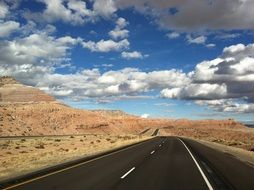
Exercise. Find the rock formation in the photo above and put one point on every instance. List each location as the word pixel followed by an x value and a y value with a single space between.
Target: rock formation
pixel 14 92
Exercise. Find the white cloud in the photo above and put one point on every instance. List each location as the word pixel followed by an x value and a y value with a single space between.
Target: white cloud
pixel 6 28
pixel 75 12
pixel 145 115
pixel 210 45
pixel 4 9
pixel 228 105
pixel 133 55
pixel 107 65
pixel 30 58
pixel 104 8
pixel 197 40
pixel 121 23
pixel 119 32
pixel 230 76
pixel 106 45
pixel 173 35
pixel 196 91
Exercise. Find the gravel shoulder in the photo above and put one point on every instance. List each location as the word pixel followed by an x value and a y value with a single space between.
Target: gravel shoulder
pixel 25 155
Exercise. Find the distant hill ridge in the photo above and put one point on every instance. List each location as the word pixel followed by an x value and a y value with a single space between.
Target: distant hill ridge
pixel 11 91
pixel 5 80
pixel 26 110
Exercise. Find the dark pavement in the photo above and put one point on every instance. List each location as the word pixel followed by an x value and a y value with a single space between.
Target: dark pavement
pixel 158 164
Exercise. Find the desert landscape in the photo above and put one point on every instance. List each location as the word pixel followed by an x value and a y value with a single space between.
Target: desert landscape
pixel 38 131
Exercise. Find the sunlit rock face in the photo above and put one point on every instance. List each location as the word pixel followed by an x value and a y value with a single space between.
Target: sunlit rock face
pixel 12 91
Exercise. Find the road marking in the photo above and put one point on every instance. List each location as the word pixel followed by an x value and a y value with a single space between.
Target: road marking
pixel 152 152
pixel 70 167
pixel 199 168
pixel 127 173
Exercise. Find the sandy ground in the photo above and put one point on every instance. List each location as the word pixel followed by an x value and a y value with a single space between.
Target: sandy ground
pixel 24 155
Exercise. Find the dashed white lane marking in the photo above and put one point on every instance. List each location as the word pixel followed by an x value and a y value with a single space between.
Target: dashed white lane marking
pixel 152 152
pixel 74 166
pixel 127 173
pixel 199 168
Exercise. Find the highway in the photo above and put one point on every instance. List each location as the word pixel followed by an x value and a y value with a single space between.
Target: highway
pixel 158 164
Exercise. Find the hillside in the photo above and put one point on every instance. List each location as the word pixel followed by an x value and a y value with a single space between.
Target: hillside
pixel 28 111
pixel 12 91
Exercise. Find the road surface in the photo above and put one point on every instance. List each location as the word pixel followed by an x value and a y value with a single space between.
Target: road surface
pixel 157 164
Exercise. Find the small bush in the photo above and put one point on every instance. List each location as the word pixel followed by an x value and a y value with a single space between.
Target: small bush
pixel 40 146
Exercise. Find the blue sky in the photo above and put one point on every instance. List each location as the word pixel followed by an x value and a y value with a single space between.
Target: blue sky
pixel 172 59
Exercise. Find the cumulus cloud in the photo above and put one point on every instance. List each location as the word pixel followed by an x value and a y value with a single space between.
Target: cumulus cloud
pixel 104 7
pixel 73 11
pixel 108 85
pixel 196 91
pixel 214 82
pixel 6 28
pixel 119 32
pixel 196 15
pixel 228 105
pixel 28 58
pixel 106 45
pixel 133 55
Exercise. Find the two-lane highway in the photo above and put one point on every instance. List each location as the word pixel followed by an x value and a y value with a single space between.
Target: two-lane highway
pixel 160 163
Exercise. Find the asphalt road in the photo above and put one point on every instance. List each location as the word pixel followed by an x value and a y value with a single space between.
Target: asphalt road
pixel 158 164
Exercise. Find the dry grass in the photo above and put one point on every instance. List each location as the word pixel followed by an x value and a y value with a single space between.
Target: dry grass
pixel 240 138
pixel 20 156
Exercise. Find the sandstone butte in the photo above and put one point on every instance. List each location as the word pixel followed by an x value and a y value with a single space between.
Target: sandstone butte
pixel 26 110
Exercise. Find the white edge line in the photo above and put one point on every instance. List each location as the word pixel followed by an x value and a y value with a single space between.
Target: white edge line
pixel 199 168
pixel 152 152
pixel 127 173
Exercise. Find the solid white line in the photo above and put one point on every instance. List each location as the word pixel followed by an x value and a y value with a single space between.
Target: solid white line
pixel 199 168
pixel 152 152
pixel 127 173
